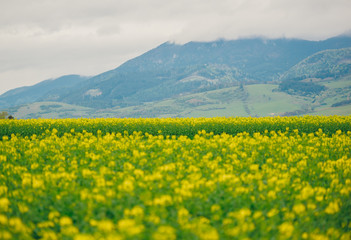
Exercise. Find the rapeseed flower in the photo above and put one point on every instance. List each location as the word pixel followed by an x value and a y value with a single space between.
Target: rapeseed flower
pixel 332 208
pixel 130 227
pixel 164 233
pixel 64 221
pixel 4 204
pixel 299 208
pixel 286 230
pixel 124 179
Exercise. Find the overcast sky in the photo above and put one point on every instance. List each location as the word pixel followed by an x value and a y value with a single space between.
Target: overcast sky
pixel 42 39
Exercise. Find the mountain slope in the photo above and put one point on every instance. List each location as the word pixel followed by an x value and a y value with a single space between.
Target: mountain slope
pixel 303 78
pixel 163 71
pixel 251 100
pixel 48 89
pixel 172 70
pixel 328 63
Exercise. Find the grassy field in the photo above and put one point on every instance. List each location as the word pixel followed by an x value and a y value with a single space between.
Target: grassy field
pixel 50 110
pixel 329 111
pixel 341 83
pixel 255 100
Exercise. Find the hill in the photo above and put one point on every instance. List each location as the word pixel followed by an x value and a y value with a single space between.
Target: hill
pixel 332 63
pixel 250 77
pixel 48 90
pixel 250 100
pixel 171 69
pixel 304 77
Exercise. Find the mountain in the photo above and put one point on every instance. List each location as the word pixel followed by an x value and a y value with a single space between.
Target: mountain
pixel 171 69
pixel 48 89
pixel 328 63
pixel 304 77
pixel 170 72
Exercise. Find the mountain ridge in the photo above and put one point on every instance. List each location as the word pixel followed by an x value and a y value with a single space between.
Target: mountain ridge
pixel 172 70
pixel 29 94
pixel 259 60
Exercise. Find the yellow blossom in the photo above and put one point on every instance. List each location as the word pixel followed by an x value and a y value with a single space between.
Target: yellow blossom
pixel 286 229
pixel 215 208
pixel 164 233
pixel 273 212
pixel 4 204
pixel 105 225
pixel 332 208
pixel 65 221
pixel 83 237
pixel 306 192
pixel 299 208
pixel 130 227
pixel 54 214
pixel 3 220
pixel 5 235
pixel 153 219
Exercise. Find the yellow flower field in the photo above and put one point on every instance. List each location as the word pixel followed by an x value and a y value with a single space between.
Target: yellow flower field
pixel 177 126
pixel 269 178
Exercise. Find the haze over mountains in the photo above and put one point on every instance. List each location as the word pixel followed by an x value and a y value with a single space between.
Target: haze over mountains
pixel 245 77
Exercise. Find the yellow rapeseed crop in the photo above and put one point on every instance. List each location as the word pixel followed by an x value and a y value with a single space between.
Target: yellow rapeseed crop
pixel 177 126
pixel 235 178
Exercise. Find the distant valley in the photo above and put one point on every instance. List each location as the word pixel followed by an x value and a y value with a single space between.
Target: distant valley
pixel 245 77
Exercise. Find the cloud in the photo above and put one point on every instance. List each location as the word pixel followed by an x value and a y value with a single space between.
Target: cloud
pixel 47 38
pixel 312 19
